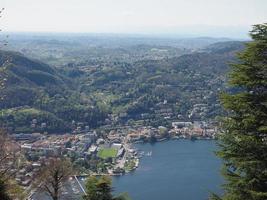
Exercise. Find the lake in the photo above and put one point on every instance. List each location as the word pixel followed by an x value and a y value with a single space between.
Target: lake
pixel 176 170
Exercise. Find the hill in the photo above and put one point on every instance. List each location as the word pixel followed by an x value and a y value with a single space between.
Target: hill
pixel 38 97
pixel 155 90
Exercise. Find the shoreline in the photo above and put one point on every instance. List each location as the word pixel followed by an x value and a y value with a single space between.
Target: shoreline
pixel 142 154
pixel 173 138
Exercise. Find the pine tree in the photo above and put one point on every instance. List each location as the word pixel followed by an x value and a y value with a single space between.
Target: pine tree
pixel 243 144
pixel 91 188
pixel 98 188
pixel 3 191
pixel 104 188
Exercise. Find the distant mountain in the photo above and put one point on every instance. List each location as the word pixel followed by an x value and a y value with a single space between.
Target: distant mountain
pixel 224 47
pixel 110 40
pixel 213 58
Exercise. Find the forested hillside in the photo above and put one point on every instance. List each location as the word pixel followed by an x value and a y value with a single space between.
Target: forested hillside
pixel 38 97
pixel 35 91
pixel 155 90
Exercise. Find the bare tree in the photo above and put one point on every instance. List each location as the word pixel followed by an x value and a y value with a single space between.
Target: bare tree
pixel 7 162
pixel 53 175
pixel 9 189
pixel 3 61
pixel 3 168
pixel 8 155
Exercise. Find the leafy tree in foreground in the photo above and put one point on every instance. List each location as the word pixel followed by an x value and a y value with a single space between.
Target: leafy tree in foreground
pixel 243 145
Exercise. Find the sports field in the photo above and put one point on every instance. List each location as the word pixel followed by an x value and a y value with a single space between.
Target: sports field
pixel 107 153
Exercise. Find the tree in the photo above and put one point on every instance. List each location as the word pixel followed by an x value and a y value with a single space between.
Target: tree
pixel 91 188
pixel 3 190
pixel 3 68
pixel 104 188
pixel 53 175
pixel 7 158
pixel 243 143
pixel 123 196
pixel 9 189
pixel 5 154
pixel 98 188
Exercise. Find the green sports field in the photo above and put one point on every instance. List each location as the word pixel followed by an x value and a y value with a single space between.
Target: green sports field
pixel 107 153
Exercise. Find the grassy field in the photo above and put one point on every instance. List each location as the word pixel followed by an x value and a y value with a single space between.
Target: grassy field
pixel 107 153
pixel 130 165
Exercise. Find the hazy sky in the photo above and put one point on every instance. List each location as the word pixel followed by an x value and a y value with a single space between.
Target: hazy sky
pixel 225 17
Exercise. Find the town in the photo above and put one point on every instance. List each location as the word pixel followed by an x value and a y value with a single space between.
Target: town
pixel 99 153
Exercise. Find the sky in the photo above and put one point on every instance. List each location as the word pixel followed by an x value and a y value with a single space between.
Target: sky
pixel 219 18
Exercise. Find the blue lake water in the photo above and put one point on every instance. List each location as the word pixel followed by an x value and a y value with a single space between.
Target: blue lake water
pixel 177 170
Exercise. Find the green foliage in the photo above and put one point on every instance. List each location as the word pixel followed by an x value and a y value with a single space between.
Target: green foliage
pixel 243 145
pixel 3 191
pixel 123 196
pixel 133 88
pixel 34 90
pixel 21 118
pixel 98 188
pixel 41 78
pixel 141 87
pixel 214 197
pixel 129 165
